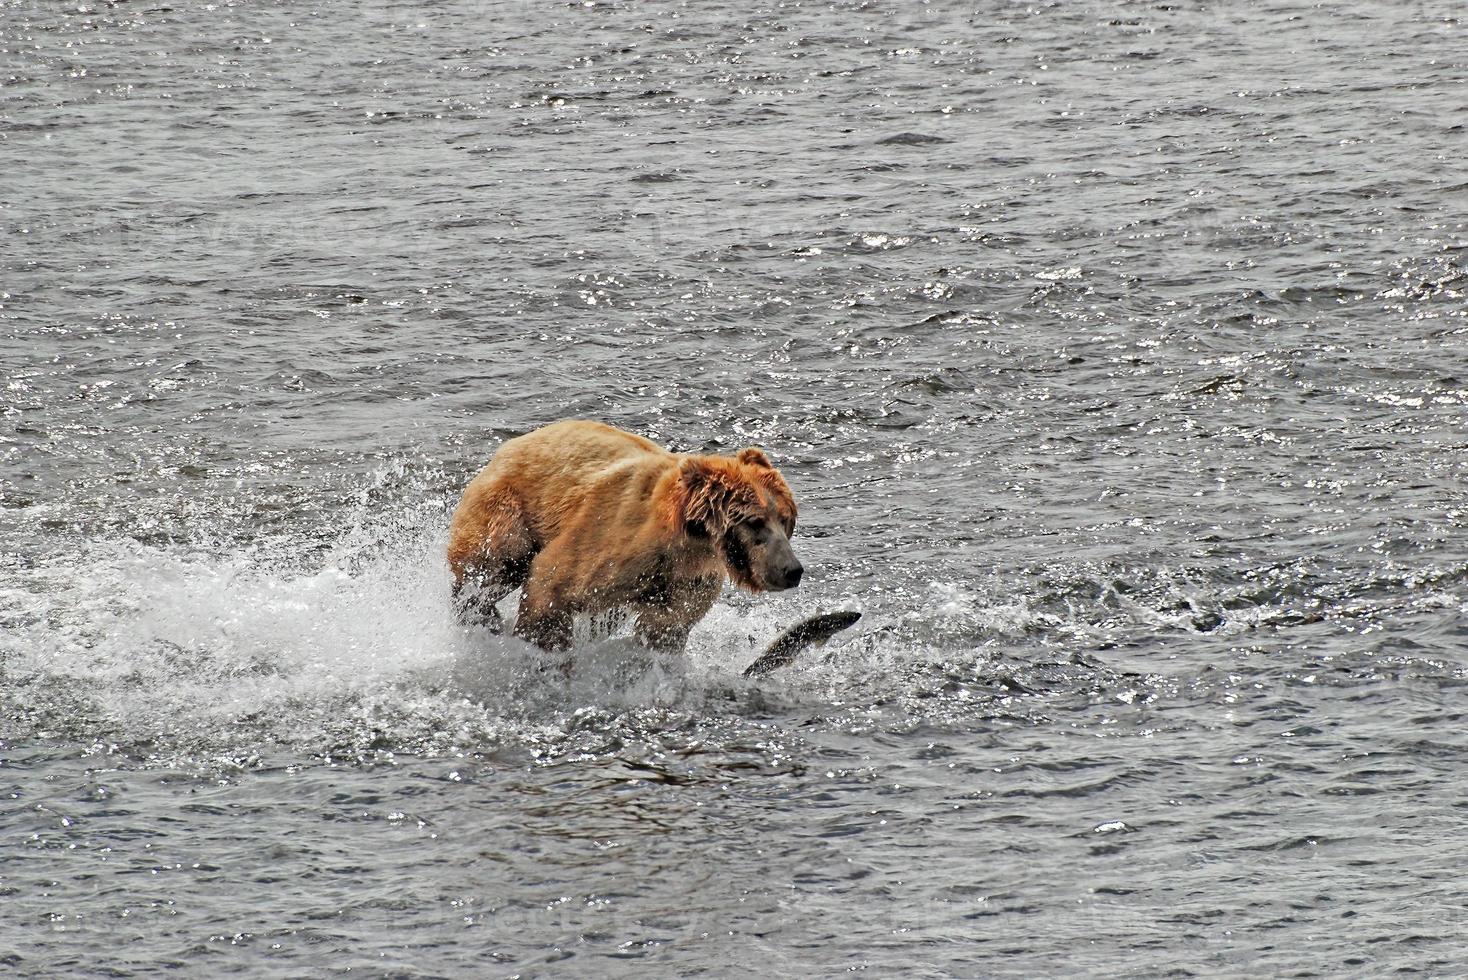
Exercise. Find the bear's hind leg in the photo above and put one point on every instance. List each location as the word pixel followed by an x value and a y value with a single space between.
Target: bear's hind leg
pixel 475 599
pixel 490 562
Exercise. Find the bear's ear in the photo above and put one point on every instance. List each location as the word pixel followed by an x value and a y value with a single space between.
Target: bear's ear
pixel 699 492
pixel 754 457
pixel 694 474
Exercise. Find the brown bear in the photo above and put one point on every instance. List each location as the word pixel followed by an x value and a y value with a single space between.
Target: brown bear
pixel 588 518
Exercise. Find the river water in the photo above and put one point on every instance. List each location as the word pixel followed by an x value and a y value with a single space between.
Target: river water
pixel 1117 353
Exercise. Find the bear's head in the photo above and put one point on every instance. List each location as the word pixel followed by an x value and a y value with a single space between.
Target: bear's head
pixel 743 505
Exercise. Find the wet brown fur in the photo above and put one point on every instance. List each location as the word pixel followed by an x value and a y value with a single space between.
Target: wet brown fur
pixel 586 518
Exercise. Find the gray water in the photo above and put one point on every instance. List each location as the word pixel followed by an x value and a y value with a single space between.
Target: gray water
pixel 1117 353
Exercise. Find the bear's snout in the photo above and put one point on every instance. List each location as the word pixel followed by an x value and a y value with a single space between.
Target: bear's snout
pixel 782 570
pixel 791 577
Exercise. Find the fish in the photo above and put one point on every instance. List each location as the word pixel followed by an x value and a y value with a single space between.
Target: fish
pixel 810 632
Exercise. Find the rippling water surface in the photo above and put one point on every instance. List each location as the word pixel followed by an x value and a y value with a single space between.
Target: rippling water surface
pixel 1117 353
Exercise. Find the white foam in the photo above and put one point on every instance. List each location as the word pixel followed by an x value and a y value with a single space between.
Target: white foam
pixel 158 637
pixel 231 646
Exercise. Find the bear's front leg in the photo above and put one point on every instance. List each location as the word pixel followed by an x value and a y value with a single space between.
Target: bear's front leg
pixel 666 625
pixel 657 629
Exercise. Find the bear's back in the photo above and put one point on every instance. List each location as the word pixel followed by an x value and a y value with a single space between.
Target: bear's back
pixel 554 469
pixel 577 449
